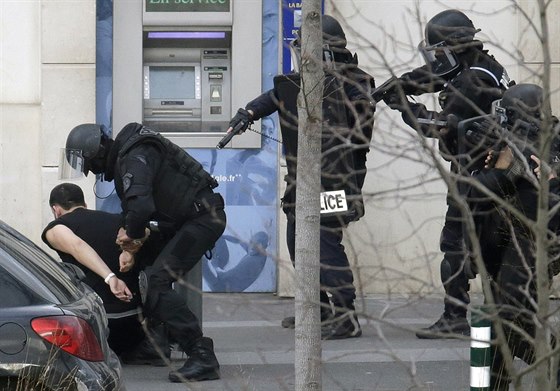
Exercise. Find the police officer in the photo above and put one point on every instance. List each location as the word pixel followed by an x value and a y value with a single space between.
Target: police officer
pixel 508 241
pixel 350 110
pixel 157 180
pixel 468 80
pixel 75 236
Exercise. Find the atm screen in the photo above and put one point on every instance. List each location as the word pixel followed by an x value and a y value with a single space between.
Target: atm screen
pixel 172 82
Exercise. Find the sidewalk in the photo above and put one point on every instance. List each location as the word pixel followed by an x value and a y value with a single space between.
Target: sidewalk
pixel 257 354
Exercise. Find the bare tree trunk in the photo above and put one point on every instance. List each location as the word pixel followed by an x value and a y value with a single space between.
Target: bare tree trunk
pixel 546 372
pixel 307 310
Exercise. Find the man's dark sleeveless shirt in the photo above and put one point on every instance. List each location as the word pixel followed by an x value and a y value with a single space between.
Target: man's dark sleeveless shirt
pixel 99 230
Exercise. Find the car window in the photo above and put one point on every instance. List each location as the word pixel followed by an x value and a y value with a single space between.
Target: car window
pixel 14 292
pixel 33 267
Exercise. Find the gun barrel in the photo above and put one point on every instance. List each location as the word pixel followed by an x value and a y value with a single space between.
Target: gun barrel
pixel 225 140
pixel 237 129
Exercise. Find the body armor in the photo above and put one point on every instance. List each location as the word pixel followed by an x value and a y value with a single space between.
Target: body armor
pixel 178 181
pixel 341 198
pixel 493 78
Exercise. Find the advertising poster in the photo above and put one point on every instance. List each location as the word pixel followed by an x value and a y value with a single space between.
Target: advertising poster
pixel 243 258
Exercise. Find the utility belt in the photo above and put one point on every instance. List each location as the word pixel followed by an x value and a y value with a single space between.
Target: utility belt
pixel 206 201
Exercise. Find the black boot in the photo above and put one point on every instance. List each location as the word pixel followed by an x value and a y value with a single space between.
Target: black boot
pixel 289 322
pixel 153 350
pixel 202 363
pixel 447 326
pixel 344 325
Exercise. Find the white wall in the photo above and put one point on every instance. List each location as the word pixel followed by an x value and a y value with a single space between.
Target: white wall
pixel 47 86
pixel 20 110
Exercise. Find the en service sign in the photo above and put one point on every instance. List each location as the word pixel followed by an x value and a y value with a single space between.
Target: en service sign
pixel 187 5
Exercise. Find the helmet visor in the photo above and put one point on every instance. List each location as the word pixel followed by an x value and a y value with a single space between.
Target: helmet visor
pixel 71 164
pixel 439 58
pixel 500 112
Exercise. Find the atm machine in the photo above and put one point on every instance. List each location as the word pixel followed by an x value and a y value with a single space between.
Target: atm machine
pixel 187 81
pixel 183 68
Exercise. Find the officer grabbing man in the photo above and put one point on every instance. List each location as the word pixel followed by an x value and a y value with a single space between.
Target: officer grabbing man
pixel 348 116
pixel 468 80
pixel 157 180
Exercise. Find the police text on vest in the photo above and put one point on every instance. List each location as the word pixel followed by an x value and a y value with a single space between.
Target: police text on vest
pixel 333 201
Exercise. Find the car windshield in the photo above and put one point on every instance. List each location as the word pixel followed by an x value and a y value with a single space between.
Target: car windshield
pixel 32 267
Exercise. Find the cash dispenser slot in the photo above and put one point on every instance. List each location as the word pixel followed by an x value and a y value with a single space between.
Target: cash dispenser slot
pixel 186 113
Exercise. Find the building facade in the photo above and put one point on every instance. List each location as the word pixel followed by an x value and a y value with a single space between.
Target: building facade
pixel 54 63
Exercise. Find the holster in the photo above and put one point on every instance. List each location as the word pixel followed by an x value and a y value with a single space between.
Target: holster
pixel 205 204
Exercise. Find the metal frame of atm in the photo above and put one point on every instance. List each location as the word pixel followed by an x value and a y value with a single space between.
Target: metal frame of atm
pixel 131 21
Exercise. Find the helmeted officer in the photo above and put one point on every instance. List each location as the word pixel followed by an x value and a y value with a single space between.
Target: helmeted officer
pixel 508 241
pixel 157 180
pixel 468 80
pixel 348 115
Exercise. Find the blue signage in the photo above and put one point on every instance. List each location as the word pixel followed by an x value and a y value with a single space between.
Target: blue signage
pixel 291 23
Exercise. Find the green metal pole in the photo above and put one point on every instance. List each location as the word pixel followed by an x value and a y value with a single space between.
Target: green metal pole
pixel 481 351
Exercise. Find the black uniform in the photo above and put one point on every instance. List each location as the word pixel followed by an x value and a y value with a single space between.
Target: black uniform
pixel 125 328
pixel 157 180
pixel 508 251
pixel 353 112
pixel 469 93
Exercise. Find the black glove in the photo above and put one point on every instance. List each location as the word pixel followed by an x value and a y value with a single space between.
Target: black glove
pixel 420 81
pixel 393 100
pixel 410 79
pixel 416 75
pixel 241 121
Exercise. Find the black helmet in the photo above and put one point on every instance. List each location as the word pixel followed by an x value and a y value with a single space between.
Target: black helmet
pixel 521 102
pixel 447 34
pixel 86 138
pixel 334 42
pixel 333 34
pixel 520 111
pixel 452 27
pixel 83 145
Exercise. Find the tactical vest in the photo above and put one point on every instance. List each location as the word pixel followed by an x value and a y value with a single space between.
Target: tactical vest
pixel 341 198
pixel 179 179
pixel 496 82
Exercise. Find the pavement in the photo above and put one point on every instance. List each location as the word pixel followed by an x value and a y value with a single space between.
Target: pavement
pixel 257 354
